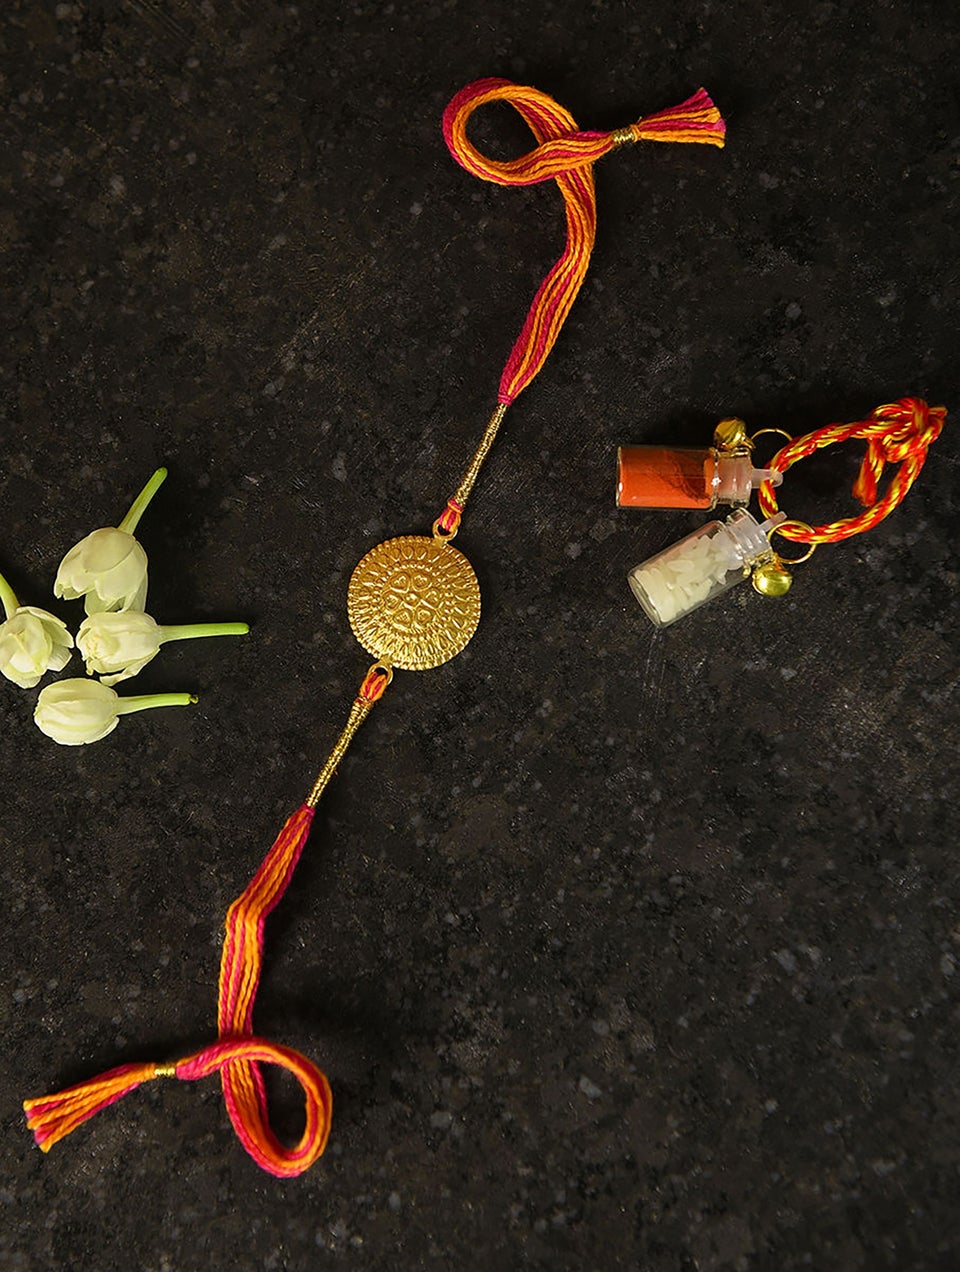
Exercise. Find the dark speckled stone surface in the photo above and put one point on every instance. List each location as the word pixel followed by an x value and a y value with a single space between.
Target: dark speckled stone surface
pixel 621 950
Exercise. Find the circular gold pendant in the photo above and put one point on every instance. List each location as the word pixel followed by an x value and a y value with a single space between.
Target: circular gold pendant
pixel 414 602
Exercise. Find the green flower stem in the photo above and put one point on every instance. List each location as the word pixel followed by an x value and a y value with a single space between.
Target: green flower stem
pixel 8 598
pixel 188 631
pixel 144 701
pixel 142 501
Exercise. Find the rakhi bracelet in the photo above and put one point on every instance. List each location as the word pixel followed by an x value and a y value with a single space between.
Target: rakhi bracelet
pixel 722 554
pixel 413 603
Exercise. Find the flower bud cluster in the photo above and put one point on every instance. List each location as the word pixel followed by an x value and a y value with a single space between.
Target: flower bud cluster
pixel 108 571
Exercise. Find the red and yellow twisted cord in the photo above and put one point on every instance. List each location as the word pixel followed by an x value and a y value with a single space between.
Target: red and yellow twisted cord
pixel 896 433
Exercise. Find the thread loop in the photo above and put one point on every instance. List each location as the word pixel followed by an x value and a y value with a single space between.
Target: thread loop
pixel 449 519
pixel 896 433
pixel 566 154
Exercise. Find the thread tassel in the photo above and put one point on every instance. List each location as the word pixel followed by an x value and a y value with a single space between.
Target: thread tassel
pixel 695 120
pixel 54 1116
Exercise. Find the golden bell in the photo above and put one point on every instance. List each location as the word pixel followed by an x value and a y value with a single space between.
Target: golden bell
pixel 731 435
pixel 772 578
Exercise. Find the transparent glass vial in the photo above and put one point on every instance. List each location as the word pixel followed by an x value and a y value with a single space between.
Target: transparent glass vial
pixel 660 477
pixel 703 565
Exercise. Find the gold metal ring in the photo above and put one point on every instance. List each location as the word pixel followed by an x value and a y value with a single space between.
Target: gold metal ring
pixel 811 547
pixel 383 667
pixel 780 432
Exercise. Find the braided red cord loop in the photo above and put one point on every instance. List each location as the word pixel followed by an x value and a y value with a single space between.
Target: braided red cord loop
pixel 897 433
pixel 566 155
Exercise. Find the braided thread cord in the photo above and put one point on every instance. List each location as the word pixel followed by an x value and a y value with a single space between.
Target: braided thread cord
pixel 565 154
pixel 238 1055
pixel 897 433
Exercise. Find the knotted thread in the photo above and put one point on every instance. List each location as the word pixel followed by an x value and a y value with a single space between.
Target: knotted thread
pixel 564 154
pixel 896 433
pixel 238 1055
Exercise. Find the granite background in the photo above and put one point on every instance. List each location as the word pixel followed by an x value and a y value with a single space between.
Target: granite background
pixel 622 950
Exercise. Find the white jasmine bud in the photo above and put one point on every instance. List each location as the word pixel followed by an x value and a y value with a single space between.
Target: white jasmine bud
pixel 118 646
pixel 75 712
pixel 109 567
pixel 32 641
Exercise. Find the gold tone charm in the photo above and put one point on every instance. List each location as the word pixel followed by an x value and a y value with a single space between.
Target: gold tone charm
pixel 772 578
pixel 414 602
pixel 730 436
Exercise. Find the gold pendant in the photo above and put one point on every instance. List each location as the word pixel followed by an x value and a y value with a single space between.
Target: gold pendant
pixel 414 602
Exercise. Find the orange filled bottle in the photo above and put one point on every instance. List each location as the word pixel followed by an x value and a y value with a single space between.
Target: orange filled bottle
pixel 654 477
pixel 661 477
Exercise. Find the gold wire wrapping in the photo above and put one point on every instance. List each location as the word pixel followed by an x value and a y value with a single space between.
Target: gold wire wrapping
pixel 358 713
pixel 483 450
